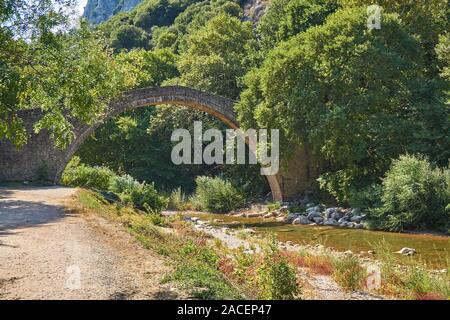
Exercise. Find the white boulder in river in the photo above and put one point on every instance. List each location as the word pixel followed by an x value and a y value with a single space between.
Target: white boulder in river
pixel 301 220
pixel 406 251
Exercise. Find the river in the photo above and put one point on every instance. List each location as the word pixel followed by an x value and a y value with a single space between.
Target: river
pixel 431 250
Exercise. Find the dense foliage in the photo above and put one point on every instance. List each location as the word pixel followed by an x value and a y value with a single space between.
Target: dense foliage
pixel 341 78
pixel 217 195
pixel 355 97
pixel 43 60
pixel 414 195
pixel 141 195
pixel 81 175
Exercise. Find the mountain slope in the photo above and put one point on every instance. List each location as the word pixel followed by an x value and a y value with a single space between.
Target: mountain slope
pixel 97 11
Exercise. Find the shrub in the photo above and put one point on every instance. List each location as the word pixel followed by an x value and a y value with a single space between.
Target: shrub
pixel 80 175
pixel 122 184
pixel 368 197
pixel 144 196
pixel 348 273
pixel 274 205
pixel 275 277
pixel 177 200
pixel 217 195
pixel 141 195
pixel 157 219
pixel 414 196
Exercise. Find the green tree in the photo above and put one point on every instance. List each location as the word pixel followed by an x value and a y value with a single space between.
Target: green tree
pixel 215 55
pixel 414 196
pixel 71 75
pixel 286 18
pixel 342 78
pixel 443 51
pixel 21 22
pixel 129 37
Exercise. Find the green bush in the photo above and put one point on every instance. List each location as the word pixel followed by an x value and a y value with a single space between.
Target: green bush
pixel 177 200
pixel 122 184
pixel 80 175
pixel 276 279
pixel 414 196
pixel 144 196
pixel 348 273
pixel 217 195
pixel 367 197
pixel 141 195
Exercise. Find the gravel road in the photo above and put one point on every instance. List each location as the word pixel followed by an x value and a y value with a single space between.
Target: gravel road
pixel 47 253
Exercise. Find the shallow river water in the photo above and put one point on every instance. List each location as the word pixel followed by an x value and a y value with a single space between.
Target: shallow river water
pixel 432 250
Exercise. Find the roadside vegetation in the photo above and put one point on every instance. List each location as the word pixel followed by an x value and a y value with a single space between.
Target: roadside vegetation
pixel 210 270
pixel 200 264
pixel 211 194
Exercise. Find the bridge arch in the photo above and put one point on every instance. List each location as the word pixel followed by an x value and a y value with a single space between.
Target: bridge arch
pixel 218 106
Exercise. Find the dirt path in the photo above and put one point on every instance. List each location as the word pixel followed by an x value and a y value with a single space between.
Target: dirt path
pixel 46 253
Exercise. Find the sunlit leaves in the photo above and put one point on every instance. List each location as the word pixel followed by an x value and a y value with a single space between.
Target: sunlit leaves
pixel 72 76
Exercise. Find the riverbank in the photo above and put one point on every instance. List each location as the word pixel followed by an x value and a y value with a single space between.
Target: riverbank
pixel 383 276
pixel 430 250
pixel 208 267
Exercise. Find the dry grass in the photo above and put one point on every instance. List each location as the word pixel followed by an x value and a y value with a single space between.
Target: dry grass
pixel 316 264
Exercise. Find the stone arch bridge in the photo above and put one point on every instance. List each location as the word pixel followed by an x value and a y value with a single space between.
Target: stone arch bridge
pixel 25 163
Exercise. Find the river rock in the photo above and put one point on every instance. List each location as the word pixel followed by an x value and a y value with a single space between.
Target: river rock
pixel 356 219
pixel 344 219
pixel 330 222
pixel 284 209
pixel 253 214
pixel 318 220
pixel 329 212
pixel 194 219
pixel 269 215
pixel 301 220
pixel 291 217
pixel 407 251
pixel 312 209
pixel 313 214
pixel 359 226
pixel 336 215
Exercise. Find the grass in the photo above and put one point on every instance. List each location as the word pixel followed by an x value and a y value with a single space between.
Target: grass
pixel 195 267
pixel 274 206
pixel 411 281
pixel 210 270
pixel 348 273
pixel 316 264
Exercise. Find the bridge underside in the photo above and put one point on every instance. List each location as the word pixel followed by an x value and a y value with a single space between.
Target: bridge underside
pixel 39 159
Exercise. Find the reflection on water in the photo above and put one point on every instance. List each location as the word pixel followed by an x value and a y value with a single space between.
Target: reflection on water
pixel 432 250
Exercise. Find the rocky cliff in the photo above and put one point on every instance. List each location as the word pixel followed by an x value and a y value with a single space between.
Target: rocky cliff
pixel 97 11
